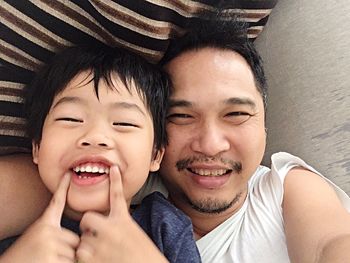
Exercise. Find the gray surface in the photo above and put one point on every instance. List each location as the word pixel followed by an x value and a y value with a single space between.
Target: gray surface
pixel 306 49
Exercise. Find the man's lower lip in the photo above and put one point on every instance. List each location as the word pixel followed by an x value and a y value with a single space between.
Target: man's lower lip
pixel 210 182
pixel 88 180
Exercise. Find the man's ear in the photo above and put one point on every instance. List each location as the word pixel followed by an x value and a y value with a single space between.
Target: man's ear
pixel 35 152
pixel 156 160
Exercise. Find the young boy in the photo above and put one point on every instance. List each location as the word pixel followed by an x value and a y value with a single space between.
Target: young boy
pixel 96 117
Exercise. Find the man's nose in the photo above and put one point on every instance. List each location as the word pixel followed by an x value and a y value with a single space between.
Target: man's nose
pixel 210 139
pixel 95 137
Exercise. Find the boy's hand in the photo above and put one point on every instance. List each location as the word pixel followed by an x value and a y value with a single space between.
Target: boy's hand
pixel 45 240
pixel 116 237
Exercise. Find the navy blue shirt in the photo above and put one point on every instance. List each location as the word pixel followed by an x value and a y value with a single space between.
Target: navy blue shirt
pixel 169 228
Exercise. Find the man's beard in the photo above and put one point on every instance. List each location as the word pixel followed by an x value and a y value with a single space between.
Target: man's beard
pixel 210 205
pixel 213 206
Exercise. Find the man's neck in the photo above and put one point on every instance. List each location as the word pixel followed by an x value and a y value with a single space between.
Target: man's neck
pixel 203 223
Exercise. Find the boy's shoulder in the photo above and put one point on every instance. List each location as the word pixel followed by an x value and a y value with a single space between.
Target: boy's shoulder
pixel 158 210
pixel 169 228
pixel 153 184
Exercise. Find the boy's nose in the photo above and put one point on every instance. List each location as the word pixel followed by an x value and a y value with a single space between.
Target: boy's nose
pixel 96 137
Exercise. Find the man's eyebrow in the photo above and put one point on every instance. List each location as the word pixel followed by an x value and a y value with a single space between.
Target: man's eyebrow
pixel 179 103
pixel 229 101
pixel 241 101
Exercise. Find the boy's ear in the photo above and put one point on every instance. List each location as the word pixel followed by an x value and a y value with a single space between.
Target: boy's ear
pixel 156 160
pixel 35 152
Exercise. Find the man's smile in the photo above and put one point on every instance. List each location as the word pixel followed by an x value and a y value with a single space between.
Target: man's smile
pixel 209 172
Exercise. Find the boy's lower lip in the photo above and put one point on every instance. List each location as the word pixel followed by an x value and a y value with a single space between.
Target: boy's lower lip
pixel 88 180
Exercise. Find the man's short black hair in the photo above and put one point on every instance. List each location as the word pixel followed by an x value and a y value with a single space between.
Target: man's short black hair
pixel 151 83
pixel 223 31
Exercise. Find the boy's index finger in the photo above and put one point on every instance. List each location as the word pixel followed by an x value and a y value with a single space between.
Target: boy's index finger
pixel 54 211
pixel 118 205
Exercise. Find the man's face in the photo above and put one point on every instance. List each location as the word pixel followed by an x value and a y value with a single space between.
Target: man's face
pixel 87 135
pixel 216 131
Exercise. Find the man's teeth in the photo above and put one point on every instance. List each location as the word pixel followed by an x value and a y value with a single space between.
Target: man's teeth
pixel 205 172
pixel 91 169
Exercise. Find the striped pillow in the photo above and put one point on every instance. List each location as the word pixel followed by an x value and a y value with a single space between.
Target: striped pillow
pixel 31 31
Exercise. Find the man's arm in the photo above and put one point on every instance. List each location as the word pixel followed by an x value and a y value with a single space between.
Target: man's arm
pixel 23 197
pixel 316 224
pixel 334 250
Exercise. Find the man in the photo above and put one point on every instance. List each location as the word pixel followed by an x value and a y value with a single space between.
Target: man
pixel 241 212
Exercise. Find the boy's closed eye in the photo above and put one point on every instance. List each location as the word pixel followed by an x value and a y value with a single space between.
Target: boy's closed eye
pixel 69 119
pixel 125 124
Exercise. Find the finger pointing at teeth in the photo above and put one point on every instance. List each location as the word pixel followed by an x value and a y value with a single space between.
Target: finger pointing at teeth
pixel 100 232
pixel 112 238
pixel 118 205
pixel 54 211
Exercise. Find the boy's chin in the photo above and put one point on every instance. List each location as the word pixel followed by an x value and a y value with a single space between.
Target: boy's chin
pixel 75 210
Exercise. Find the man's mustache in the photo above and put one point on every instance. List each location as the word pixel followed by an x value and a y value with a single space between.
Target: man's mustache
pixel 183 164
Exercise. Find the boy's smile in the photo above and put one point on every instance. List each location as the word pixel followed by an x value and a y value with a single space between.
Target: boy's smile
pixel 86 134
pixel 89 172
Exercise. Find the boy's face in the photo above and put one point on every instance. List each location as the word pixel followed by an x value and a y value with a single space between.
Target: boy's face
pixel 87 135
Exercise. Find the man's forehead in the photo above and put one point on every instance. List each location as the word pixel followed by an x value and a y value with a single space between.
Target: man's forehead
pixel 207 68
pixel 187 56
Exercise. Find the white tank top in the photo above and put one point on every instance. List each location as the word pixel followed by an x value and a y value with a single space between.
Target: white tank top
pixel 255 234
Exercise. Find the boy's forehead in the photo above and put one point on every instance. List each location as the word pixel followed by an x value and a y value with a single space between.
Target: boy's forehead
pixel 85 79
pixel 83 84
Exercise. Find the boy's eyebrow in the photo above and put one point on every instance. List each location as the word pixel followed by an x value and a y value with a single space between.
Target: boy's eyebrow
pixel 229 101
pixel 123 104
pixel 128 105
pixel 68 99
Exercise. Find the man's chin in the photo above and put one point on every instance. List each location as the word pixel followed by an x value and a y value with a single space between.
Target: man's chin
pixel 213 205
pixel 210 206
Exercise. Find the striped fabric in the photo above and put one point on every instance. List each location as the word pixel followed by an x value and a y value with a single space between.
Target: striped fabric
pixel 31 31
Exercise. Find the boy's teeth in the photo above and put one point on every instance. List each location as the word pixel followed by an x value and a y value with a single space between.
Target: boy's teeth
pixel 91 169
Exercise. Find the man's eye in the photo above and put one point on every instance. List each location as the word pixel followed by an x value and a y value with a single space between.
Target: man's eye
pixel 69 119
pixel 180 118
pixel 179 115
pixel 239 113
pixel 238 117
